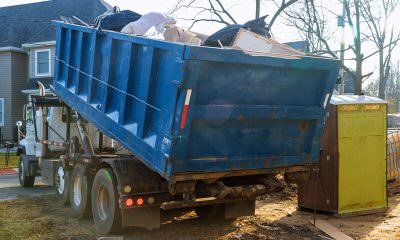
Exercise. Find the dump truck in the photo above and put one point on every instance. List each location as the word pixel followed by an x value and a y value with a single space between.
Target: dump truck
pixel 199 127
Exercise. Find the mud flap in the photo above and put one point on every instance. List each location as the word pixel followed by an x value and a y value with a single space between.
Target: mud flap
pixel 239 209
pixel 145 217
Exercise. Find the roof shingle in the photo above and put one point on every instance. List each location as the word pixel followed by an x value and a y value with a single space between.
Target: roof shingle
pixel 29 23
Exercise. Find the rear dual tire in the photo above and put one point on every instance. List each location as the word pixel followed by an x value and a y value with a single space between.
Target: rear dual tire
pixel 79 192
pixel 105 207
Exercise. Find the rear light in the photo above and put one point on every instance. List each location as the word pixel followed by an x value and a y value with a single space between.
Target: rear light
pixel 139 201
pixel 129 202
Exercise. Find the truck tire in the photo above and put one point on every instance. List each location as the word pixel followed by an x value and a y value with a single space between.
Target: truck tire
pixel 210 212
pixel 105 208
pixel 62 183
pixel 24 180
pixel 79 193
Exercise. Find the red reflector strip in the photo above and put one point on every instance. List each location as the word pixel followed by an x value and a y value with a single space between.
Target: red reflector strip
pixel 185 108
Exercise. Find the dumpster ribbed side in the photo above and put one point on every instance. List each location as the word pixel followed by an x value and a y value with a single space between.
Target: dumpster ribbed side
pixel 123 85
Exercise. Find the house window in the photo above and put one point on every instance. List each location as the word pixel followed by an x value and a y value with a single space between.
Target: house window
pixel 42 62
pixel 1 112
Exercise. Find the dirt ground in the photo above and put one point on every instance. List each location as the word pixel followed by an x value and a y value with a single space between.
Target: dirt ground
pixel 276 218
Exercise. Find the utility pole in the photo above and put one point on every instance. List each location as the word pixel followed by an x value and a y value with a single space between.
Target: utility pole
pixel 258 9
pixel 341 23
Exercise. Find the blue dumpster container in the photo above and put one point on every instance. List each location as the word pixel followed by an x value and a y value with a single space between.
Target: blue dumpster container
pixel 190 112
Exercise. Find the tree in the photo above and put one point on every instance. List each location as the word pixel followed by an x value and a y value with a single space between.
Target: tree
pixel 311 22
pixel 393 87
pixel 218 10
pixel 376 17
pixel 392 90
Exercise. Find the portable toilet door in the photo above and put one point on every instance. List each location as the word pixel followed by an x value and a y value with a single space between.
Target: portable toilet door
pixel 362 139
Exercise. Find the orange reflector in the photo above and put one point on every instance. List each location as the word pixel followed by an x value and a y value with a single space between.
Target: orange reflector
pixel 139 201
pixel 129 202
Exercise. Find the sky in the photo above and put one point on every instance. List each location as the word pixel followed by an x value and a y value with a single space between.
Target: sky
pixel 242 11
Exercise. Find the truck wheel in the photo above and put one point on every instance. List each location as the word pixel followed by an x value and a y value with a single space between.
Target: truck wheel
pixel 62 183
pixel 106 212
pixel 24 180
pixel 79 193
pixel 210 211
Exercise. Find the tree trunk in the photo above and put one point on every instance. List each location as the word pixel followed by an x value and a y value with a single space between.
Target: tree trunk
pixel 258 9
pixel 359 56
pixel 382 78
pixel 358 80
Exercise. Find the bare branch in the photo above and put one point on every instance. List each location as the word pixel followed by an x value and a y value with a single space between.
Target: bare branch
pixel 282 7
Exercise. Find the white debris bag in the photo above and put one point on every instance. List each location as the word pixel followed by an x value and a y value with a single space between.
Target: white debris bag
pixel 157 20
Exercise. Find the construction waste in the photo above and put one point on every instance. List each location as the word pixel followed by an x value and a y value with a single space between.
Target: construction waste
pixel 155 22
pixel 115 19
pixel 252 37
pixel 226 35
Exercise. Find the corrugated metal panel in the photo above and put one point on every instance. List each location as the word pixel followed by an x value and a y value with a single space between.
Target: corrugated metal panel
pixel 393 156
pixel 393 161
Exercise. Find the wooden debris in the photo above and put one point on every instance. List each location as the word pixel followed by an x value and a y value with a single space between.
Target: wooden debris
pixel 331 230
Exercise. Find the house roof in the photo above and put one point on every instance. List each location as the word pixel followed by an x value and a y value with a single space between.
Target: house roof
pixel 30 23
pixel 301 46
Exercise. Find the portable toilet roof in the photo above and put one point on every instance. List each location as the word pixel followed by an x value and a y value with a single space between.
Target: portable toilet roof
pixel 355 99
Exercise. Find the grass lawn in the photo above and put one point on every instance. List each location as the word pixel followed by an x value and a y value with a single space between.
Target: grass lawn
pixel 12 161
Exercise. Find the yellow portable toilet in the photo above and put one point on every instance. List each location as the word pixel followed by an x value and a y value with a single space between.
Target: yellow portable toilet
pixel 352 168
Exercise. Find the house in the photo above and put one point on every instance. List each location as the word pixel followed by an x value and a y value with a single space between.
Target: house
pixel 302 46
pixel 27 44
pixel 348 84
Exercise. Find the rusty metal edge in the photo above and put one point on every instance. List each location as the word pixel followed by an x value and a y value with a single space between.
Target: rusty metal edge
pixel 215 175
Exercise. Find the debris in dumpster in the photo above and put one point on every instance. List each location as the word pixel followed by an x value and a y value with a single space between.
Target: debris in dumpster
pixel 177 34
pixel 115 20
pixel 249 41
pixel 153 19
pixel 227 34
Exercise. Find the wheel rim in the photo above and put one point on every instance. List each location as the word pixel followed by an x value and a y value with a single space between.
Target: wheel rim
pixel 78 190
pixel 60 180
pixel 21 171
pixel 102 202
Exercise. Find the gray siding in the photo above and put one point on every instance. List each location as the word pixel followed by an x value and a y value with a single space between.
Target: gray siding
pixel 32 61
pixel 5 92
pixel 19 69
pixel 13 78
